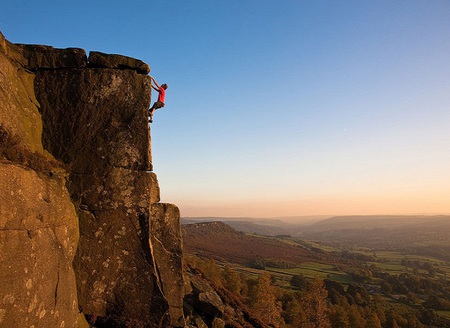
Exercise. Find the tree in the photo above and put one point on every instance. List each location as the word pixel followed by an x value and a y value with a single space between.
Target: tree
pixel 339 317
pixel 212 271
pixel 293 313
pixel 232 281
pixel 314 305
pixel 373 321
pixel 264 303
pixel 356 317
pixel 298 281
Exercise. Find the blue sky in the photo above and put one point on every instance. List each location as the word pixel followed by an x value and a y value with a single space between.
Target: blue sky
pixel 280 107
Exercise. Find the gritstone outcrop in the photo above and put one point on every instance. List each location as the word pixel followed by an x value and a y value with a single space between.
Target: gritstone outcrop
pixel 91 117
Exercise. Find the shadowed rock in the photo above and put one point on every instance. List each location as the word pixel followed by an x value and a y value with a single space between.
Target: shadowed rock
pixel 100 59
pixel 167 250
pixel 47 57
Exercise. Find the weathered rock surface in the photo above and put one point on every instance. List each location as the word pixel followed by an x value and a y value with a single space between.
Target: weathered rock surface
pixel 47 57
pixel 167 249
pixel 100 59
pixel 38 240
pixel 19 112
pixel 38 223
pixel 128 263
pixel 93 117
pixel 96 118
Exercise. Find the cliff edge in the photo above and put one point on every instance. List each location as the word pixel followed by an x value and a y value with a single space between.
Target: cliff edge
pixel 82 226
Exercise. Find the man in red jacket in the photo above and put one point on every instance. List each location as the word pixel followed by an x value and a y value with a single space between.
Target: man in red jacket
pixel 161 97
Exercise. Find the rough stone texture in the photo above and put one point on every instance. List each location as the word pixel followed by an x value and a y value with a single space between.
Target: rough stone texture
pixel 38 240
pixel 12 51
pixel 167 250
pixel 99 59
pixel 47 57
pixel 218 323
pixel 128 260
pixel 210 303
pixel 38 223
pixel 95 119
pixel 19 112
pixel 114 272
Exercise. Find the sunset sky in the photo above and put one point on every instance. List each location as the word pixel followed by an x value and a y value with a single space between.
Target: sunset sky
pixel 280 108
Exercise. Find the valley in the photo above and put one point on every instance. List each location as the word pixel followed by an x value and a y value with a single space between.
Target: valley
pixel 401 265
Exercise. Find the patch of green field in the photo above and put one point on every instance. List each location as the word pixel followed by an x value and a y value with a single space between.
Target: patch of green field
pixel 325 248
pixel 313 269
pixel 390 267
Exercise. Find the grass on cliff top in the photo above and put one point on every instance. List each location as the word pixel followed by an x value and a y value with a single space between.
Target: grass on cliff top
pixel 12 149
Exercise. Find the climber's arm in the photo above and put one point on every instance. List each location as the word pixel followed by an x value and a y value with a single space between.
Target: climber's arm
pixel 156 83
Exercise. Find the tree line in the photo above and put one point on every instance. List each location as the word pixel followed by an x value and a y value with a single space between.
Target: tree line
pixel 321 303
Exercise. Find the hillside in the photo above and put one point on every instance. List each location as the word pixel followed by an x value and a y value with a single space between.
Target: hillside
pixel 382 282
pixel 262 226
pixel 219 241
pixel 378 222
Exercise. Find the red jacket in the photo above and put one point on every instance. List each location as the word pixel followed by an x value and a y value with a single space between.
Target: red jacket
pixel 162 94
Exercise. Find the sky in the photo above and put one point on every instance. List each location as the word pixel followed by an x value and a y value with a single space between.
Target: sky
pixel 279 107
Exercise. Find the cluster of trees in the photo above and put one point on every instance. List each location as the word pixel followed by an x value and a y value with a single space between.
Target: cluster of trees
pixel 317 303
pixel 261 264
pixel 431 292
pixel 422 265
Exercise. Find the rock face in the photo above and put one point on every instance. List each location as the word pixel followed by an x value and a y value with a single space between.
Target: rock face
pixel 166 243
pixel 40 57
pixel 127 265
pixel 38 223
pixel 38 282
pixel 99 59
pixel 19 108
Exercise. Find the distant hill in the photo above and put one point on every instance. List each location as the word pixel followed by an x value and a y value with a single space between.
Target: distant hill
pixel 378 222
pixel 262 226
pixel 427 235
pixel 220 241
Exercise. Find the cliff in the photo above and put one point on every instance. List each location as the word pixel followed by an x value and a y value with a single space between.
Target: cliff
pixel 81 225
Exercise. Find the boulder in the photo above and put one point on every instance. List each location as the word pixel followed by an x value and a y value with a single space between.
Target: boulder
pixel 100 59
pixel 218 323
pixel 47 57
pixel 210 303
pixel 203 297
pixel 199 285
pixel 199 323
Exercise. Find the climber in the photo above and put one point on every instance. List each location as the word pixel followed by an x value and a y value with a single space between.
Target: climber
pixel 161 97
